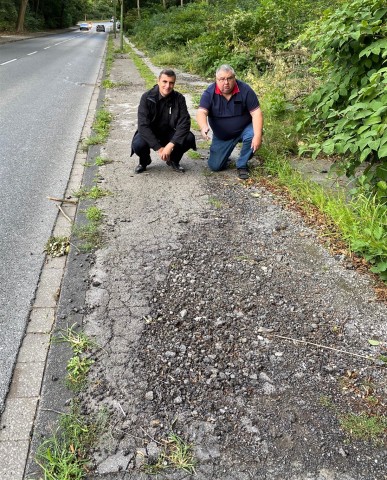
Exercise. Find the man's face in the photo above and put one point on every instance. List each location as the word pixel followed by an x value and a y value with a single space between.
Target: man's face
pixel 166 84
pixel 225 82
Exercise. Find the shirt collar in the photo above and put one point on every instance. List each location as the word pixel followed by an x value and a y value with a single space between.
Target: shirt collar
pixel 236 89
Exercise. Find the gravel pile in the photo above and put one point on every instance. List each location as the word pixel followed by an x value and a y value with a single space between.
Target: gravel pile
pixel 210 354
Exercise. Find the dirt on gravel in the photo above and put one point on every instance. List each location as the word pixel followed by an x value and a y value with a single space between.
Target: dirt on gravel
pixel 220 318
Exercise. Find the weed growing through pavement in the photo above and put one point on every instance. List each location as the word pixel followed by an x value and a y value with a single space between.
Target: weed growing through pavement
pixel 176 454
pixel 215 202
pixel 108 84
pixel 100 161
pixel 89 235
pixel 57 246
pixel 194 155
pixel 101 127
pixel 94 214
pixel 79 365
pixel 94 193
pixel 64 455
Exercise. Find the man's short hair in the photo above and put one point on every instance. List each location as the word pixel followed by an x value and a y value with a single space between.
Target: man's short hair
pixel 225 68
pixel 168 72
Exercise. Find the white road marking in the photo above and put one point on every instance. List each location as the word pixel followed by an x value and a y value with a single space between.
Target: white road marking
pixel 9 61
pixel 32 53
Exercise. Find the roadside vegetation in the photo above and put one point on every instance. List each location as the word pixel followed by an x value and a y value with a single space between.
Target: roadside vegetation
pixel 319 69
pixel 101 128
pixel 65 454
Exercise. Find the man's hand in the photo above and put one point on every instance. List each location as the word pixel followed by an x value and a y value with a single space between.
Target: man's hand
pixel 257 118
pixel 201 117
pixel 256 142
pixel 165 152
pixel 204 131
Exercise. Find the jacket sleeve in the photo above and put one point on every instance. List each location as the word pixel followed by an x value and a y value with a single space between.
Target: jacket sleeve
pixel 144 117
pixel 183 121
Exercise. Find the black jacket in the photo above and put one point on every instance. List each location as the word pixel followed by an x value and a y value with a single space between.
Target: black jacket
pixel 179 118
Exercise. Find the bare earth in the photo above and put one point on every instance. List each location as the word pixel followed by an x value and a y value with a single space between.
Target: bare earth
pixel 199 279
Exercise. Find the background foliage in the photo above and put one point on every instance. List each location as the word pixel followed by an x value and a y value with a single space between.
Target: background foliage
pixel 349 48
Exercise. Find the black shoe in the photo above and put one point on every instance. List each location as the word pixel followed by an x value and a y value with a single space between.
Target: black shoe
pixel 243 173
pixel 139 169
pixel 175 166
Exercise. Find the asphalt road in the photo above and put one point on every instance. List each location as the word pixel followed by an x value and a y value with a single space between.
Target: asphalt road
pixel 46 85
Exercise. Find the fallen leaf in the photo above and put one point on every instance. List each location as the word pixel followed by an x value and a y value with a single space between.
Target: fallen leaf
pixel 374 343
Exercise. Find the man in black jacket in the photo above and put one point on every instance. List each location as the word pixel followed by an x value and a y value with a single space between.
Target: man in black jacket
pixel 163 125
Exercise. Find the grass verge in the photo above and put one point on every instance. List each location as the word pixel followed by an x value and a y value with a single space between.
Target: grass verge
pixel 146 73
pixel 357 225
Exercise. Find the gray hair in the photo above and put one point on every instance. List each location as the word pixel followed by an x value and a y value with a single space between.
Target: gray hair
pixel 168 72
pixel 225 68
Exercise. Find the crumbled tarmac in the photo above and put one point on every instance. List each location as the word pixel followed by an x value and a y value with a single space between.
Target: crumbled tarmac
pixel 194 301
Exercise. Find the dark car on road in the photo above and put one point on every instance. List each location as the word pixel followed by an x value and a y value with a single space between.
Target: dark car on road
pixel 100 28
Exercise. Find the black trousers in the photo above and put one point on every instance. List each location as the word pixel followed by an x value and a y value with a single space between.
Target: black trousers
pixel 142 149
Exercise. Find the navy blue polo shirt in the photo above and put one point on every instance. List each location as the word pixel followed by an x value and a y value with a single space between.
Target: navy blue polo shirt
pixel 228 118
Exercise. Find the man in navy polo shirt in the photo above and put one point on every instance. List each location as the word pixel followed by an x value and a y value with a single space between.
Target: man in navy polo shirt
pixel 232 111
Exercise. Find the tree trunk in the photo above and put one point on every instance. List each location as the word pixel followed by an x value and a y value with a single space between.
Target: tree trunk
pixel 21 16
pixel 138 9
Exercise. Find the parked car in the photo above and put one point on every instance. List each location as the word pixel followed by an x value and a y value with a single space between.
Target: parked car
pixel 100 28
pixel 84 26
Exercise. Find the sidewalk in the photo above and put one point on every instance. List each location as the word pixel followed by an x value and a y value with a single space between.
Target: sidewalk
pixel 207 302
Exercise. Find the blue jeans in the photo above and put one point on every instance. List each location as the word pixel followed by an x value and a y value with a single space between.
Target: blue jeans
pixel 221 150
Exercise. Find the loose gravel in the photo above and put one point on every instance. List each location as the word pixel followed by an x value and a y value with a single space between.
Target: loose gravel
pixel 220 317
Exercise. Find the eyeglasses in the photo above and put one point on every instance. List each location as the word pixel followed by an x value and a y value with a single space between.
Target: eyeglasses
pixel 224 80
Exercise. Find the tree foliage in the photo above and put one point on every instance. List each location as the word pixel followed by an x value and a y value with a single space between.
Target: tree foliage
pixel 32 15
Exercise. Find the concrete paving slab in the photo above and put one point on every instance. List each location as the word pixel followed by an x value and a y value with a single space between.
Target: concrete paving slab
pixel 48 288
pixel 35 346
pixel 13 455
pixel 41 320
pixel 17 419
pixel 27 380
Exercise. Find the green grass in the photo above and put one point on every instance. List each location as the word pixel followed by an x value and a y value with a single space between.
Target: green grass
pixel 145 72
pixel 360 221
pixel 79 365
pixel 215 202
pixel 89 237
pixel 194 155
pixel 364 426
pixel 108 84
pixel 101 128
pixel 100 161
pixel 64 455
pixel 94 193
pixel 109 56
pixel 176 454
pixel 94 214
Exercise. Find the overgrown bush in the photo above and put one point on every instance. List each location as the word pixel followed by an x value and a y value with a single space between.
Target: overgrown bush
pixel 350 107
